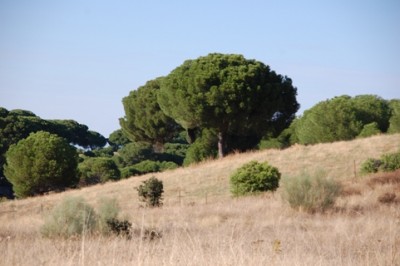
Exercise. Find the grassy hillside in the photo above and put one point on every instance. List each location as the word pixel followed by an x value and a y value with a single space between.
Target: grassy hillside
pixel 202 225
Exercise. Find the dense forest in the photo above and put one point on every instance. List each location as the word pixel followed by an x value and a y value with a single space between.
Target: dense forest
pixel 205 108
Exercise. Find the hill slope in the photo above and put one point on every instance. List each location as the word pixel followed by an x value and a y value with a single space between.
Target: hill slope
pixel 210 179
pixel 200 224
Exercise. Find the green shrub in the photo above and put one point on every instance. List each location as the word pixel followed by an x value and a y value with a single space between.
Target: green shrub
pixel 108 210
pixel 369 130
pixel 390 162
pixel 202 148
pixel 40 163
pixel 370 166
pixel 147 166
pixel 387 163
pixel 135 152
pixel 73 216
pixel 310 193
pixel 151 192
pixel 167 166
pixel 254 177
pixel 119 228
pixel 129 171
pixel 98 170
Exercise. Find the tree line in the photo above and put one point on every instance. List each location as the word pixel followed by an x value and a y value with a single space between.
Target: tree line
pixel 205 108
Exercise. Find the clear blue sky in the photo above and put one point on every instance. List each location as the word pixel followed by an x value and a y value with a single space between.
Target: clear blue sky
pixel 78 59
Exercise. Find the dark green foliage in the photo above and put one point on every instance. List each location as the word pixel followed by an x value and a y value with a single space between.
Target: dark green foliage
pixel 76 133
pixel 98 170
pixel 117 139
pixel 272 143
pixel 394 120
pixel 387 163
pixel 372 108
pixel 254 177
pixel 135 152
pixel 370 166
pixel 40 163
pixel 343 118
pixel 175 152
pixel 103 152
pixel 129 171
pixel 329 121
pixel 72 217
pixel 144 120
pixel 16 125
pixel 230 95
pixel 369 130
pixel 390 162
pixel 203 148
pixel 310 193
pixel 119 228
pixel 150 192
pixel 148 166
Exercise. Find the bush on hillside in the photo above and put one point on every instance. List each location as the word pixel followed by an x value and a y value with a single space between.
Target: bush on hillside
pixel 370 166
pixel 369 130
pixel 310 193
pixel 41 163
pixel 202 148
pixel 108 210
pixel 150 192
pixel 147 166
pixel 254 177
pixel 129 171
pixel 73 216
pixel 390 162
pixel 387 163
pixel 98 170
pixel 135 152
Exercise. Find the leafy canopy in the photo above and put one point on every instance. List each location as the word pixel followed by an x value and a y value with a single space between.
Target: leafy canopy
pixel 343 118
pixel 144 120
pixel 16 125
pixel 229 94
pixel 98 170
pixel 40 163
pixel 254 177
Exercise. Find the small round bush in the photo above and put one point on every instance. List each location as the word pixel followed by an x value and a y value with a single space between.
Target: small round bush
pixel 310 193
pixel 73 216
pixel 254 177
pixel 151 192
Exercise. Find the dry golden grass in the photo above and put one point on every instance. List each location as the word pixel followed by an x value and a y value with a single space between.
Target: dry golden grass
pixel 201 224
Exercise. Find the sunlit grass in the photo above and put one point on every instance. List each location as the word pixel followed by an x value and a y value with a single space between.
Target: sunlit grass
pixel 202 224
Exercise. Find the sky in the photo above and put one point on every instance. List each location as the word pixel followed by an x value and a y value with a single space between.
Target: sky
pixel 77 59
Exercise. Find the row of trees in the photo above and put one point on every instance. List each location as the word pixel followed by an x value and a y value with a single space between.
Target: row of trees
pixel 206 107
pixel 228 103
pixel 341 118
pixel 16 125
